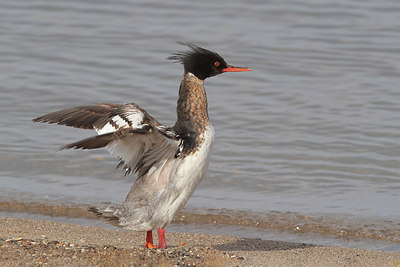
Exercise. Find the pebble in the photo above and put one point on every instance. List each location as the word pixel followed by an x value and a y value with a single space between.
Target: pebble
pixel 25 242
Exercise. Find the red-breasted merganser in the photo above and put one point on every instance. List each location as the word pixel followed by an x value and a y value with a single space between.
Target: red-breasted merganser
pixel 169 161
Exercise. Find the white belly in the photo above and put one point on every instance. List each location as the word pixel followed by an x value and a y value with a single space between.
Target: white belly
pixel 184 179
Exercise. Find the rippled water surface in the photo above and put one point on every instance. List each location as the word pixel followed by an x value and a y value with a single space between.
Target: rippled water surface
pixel 313 129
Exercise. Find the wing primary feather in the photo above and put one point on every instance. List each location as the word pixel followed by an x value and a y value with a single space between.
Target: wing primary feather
pixel 91 142
pixel 103 140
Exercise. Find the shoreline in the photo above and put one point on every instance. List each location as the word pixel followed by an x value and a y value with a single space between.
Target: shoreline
pixel 340 227
pixel 40 242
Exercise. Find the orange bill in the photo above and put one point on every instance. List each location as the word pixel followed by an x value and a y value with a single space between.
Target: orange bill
pixel 235 69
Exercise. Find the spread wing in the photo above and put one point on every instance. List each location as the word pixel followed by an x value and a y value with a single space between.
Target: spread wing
pixel 127 131
pixel 101 117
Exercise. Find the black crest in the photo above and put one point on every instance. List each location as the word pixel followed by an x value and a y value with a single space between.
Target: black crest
pixel 201 62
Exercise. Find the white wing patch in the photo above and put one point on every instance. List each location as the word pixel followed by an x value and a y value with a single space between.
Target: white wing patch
pixel 119 122
pixel 131 119
pixel 135 117
pixel 108 128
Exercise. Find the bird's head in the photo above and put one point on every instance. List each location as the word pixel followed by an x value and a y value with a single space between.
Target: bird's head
pixel 203 63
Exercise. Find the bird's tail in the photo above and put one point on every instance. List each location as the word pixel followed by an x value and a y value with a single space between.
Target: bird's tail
pixel 107 214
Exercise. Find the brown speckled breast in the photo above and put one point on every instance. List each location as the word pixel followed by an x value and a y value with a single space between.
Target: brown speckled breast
pixel 192 113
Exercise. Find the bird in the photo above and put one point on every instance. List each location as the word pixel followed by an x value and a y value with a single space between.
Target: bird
pixel 169 162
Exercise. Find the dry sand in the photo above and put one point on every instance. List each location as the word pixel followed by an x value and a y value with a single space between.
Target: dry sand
pixel 37 242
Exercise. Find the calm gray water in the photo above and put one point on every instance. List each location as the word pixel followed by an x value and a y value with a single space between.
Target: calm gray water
pixel 313 129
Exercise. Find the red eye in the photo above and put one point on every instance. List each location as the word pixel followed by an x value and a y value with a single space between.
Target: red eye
pixel 216 64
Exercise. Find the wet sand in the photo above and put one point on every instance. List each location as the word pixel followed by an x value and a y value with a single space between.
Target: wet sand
pixel 335 226
pixel 39 242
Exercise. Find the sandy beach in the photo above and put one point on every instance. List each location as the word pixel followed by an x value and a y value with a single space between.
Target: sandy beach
pixel 38 242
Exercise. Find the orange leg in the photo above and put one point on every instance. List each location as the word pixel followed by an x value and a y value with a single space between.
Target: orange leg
pixel 149 240
pixel 161 238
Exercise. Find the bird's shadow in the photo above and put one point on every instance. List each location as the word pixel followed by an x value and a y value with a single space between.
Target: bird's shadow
pixel 257 244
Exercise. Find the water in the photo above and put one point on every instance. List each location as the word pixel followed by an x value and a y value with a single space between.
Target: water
pixel 314 129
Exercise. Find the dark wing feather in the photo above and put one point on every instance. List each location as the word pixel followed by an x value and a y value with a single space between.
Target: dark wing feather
pixel 84 117
pixel 113 117
pixel 103 140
